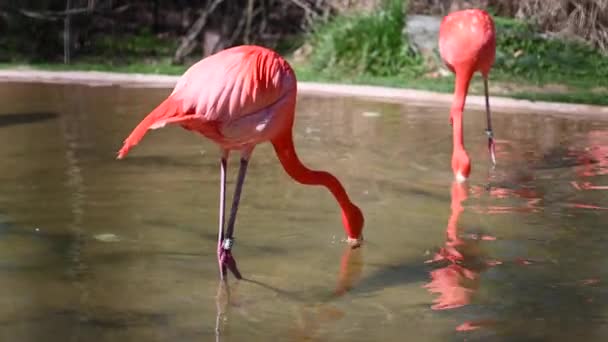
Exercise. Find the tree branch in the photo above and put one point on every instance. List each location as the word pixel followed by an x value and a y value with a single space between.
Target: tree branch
pixel 188 41
pixel 52 15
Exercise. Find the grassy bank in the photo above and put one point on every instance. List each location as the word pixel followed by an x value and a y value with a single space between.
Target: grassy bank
pixel 515 88
pixel 369 48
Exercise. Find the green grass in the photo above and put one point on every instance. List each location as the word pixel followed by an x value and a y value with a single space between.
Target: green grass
pixel 576 96
pixel 365 43
pixel 446 85
pixel 522 54
pixel 306 73
pixel 309 74
pixel 369 48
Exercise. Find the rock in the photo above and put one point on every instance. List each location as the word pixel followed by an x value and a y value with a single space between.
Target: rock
pixel 422 32
pixel 107 237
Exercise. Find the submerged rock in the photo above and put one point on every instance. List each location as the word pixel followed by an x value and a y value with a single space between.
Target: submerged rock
pixel 107 237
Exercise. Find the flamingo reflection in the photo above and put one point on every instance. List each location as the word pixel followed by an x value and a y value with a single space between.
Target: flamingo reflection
pixel 459 277
pixel 532 199
pixel 594 161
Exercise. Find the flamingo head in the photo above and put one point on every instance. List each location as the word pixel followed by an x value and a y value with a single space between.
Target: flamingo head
pixel 353 225
pixel 461 165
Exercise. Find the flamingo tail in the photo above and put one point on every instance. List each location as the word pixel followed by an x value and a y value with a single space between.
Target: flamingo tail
pixel 169 111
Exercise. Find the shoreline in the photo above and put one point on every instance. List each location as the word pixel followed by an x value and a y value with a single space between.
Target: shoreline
pixel 372 93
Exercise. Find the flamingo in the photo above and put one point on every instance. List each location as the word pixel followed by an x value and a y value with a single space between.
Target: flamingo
pixel 467 44
pixel 238 98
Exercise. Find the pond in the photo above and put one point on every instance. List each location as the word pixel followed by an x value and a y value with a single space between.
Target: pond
pixel 96 249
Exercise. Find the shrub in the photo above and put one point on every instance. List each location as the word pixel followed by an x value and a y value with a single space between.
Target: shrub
pixel 523 52
pixel 365 43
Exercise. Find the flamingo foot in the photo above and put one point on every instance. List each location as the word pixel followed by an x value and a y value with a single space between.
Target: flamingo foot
pixel 227 261
pixel 491 146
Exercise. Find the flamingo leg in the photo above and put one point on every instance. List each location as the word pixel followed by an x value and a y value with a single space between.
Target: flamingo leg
pixel 227 259
pixel 489 131
pixel 220 233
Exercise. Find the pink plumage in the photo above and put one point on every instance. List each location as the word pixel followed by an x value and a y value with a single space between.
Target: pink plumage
pixel 238 98
pixel 230 97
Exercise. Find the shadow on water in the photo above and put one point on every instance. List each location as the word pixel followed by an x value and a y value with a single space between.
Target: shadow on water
pixel 25 118
pixel 113 320
pixel 323 312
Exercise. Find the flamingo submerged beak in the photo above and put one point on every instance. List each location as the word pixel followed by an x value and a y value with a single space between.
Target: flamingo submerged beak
pixel 461 165
pixel 353 226
pixel 354 242
pixel 460 178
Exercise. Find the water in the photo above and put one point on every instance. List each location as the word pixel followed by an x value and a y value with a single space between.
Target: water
pixel 95 249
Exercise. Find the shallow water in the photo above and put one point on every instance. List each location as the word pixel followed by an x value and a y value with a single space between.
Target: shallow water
pixel 95 249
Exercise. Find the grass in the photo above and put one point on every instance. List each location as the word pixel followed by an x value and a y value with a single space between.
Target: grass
pixel 306 73
pixel 523 54
pixel 446 85
pixel 365 43
pixel 128 53
pixel 369 48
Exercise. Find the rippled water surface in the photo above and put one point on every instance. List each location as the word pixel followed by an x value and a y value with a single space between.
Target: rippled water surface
pixel 95 249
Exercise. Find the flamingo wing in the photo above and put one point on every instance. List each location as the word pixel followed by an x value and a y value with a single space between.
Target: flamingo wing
pixel 234 83
pixel 219 90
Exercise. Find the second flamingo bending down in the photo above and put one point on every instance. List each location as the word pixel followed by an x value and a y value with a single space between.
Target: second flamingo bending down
pixel 238 98
pixel 467 44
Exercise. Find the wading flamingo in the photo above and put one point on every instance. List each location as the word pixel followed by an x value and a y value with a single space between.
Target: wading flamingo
pixel 238 98
pixel 467 44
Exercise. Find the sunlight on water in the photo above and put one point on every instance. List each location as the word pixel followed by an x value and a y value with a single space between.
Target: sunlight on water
pixel 98 249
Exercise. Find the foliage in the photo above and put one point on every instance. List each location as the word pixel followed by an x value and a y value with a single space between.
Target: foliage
pixel 157 66
pixel 583 19
pixel 586 19
pixel 369 43
pixel 33 30
pixel 524 53
pixel 144 43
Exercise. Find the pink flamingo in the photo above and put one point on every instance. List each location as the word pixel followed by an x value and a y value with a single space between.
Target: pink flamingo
pixel 238 98
pixel 467 44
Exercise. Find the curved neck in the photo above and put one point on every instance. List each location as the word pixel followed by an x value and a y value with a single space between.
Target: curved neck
pixel 460 94
pixel 301 174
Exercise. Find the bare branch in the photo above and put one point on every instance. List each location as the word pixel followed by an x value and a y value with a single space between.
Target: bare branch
pixel 188 42
pixel 248 16
pixel 54 15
